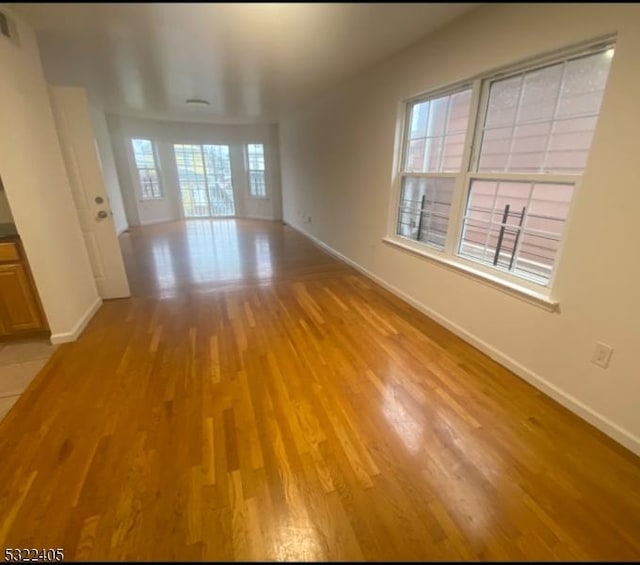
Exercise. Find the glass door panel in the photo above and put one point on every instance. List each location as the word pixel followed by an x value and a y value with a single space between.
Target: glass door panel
pixel 204 175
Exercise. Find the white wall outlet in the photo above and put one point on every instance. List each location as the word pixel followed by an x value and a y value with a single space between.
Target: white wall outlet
pixel 602 355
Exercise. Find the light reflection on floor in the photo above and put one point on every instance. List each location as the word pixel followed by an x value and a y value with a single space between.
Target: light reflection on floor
pixel 404 425
pixel 263 260
pixel 466 502
pixel 214 251
pixel 298 542
pixel 199 255
pixel 163 264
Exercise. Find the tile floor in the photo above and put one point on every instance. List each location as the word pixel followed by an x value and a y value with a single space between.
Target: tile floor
pixel 19 364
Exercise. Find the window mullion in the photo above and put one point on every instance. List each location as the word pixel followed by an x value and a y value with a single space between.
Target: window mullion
pixel 538 178
pixel 556 106
pixel 515 123
pixel 458 201
pixel 247 166
pixel 426 133
pixel 478 125
pixel 456 213
pixel 206 180
pixel 429 175
pixel 445 128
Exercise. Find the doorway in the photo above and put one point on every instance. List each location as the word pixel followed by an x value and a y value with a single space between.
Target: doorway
pixel 204 176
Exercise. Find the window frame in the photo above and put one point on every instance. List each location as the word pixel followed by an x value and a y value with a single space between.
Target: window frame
pixel 156 167
pixel 249 170
pixel 536 292
pixel 458 176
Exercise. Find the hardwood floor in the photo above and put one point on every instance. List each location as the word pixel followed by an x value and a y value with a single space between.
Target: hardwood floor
pixel 258 400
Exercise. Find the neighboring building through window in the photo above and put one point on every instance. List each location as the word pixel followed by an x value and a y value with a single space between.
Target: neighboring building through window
pixel 256 169
pixel 498 194
pixel 144 155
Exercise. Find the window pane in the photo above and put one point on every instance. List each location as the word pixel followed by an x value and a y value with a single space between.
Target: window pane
pixel 146 165
pixel 143 152
pixel 217 163
pixel 542 121
pixel 255 157
pixel 437 133
pixel 415 154
pixel 536 256
pixel 438 116
pixel 539 94
pixel 425 206
pixel 204 176
pixel 149 183
pixel 419 119
pixel 256 167
pixel 583 86
pixel 192 180
pixel 432 154
pixel 515 226
pixel 257 186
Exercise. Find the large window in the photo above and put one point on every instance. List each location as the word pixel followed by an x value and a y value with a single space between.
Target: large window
pixel 204 176
pixel 145 159
pixel 489 168
pixel 254 160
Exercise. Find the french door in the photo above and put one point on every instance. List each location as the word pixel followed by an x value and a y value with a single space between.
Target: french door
pixel 204 175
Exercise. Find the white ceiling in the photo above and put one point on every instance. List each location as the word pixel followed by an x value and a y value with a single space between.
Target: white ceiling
pixel 248 60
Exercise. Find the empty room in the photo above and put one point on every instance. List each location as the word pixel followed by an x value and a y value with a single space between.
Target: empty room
pixel 319 282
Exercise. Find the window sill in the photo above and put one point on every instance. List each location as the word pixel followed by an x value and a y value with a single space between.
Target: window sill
pixel 154 199
pixel 523 293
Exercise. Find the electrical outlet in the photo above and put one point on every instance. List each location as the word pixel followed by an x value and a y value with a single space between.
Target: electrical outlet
pixel 308 219
pixel 602 355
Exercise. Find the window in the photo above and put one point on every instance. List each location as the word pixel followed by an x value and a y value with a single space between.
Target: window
pixel 498 194
pixel 433 158
pixel 204 176
pixel 255 169
pixel 144 155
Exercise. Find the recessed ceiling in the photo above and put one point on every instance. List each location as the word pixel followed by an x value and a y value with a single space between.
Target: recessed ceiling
pixel 249 60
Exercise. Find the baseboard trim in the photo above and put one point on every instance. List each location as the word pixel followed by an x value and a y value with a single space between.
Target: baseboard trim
pixel 265 218
pixel 74 334
pixel 160 221
pixel 611 429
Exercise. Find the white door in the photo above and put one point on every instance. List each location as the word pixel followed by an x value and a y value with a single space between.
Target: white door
pixel 77 141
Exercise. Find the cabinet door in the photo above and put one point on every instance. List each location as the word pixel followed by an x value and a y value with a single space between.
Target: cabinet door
pixel 19 305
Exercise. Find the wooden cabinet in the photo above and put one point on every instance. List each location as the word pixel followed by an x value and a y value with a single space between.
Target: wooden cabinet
pixel 20 310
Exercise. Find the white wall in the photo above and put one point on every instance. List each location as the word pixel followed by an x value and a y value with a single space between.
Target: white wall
pixel 165 134
pixel 35 180
pixel 109 173
pixel 337 154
